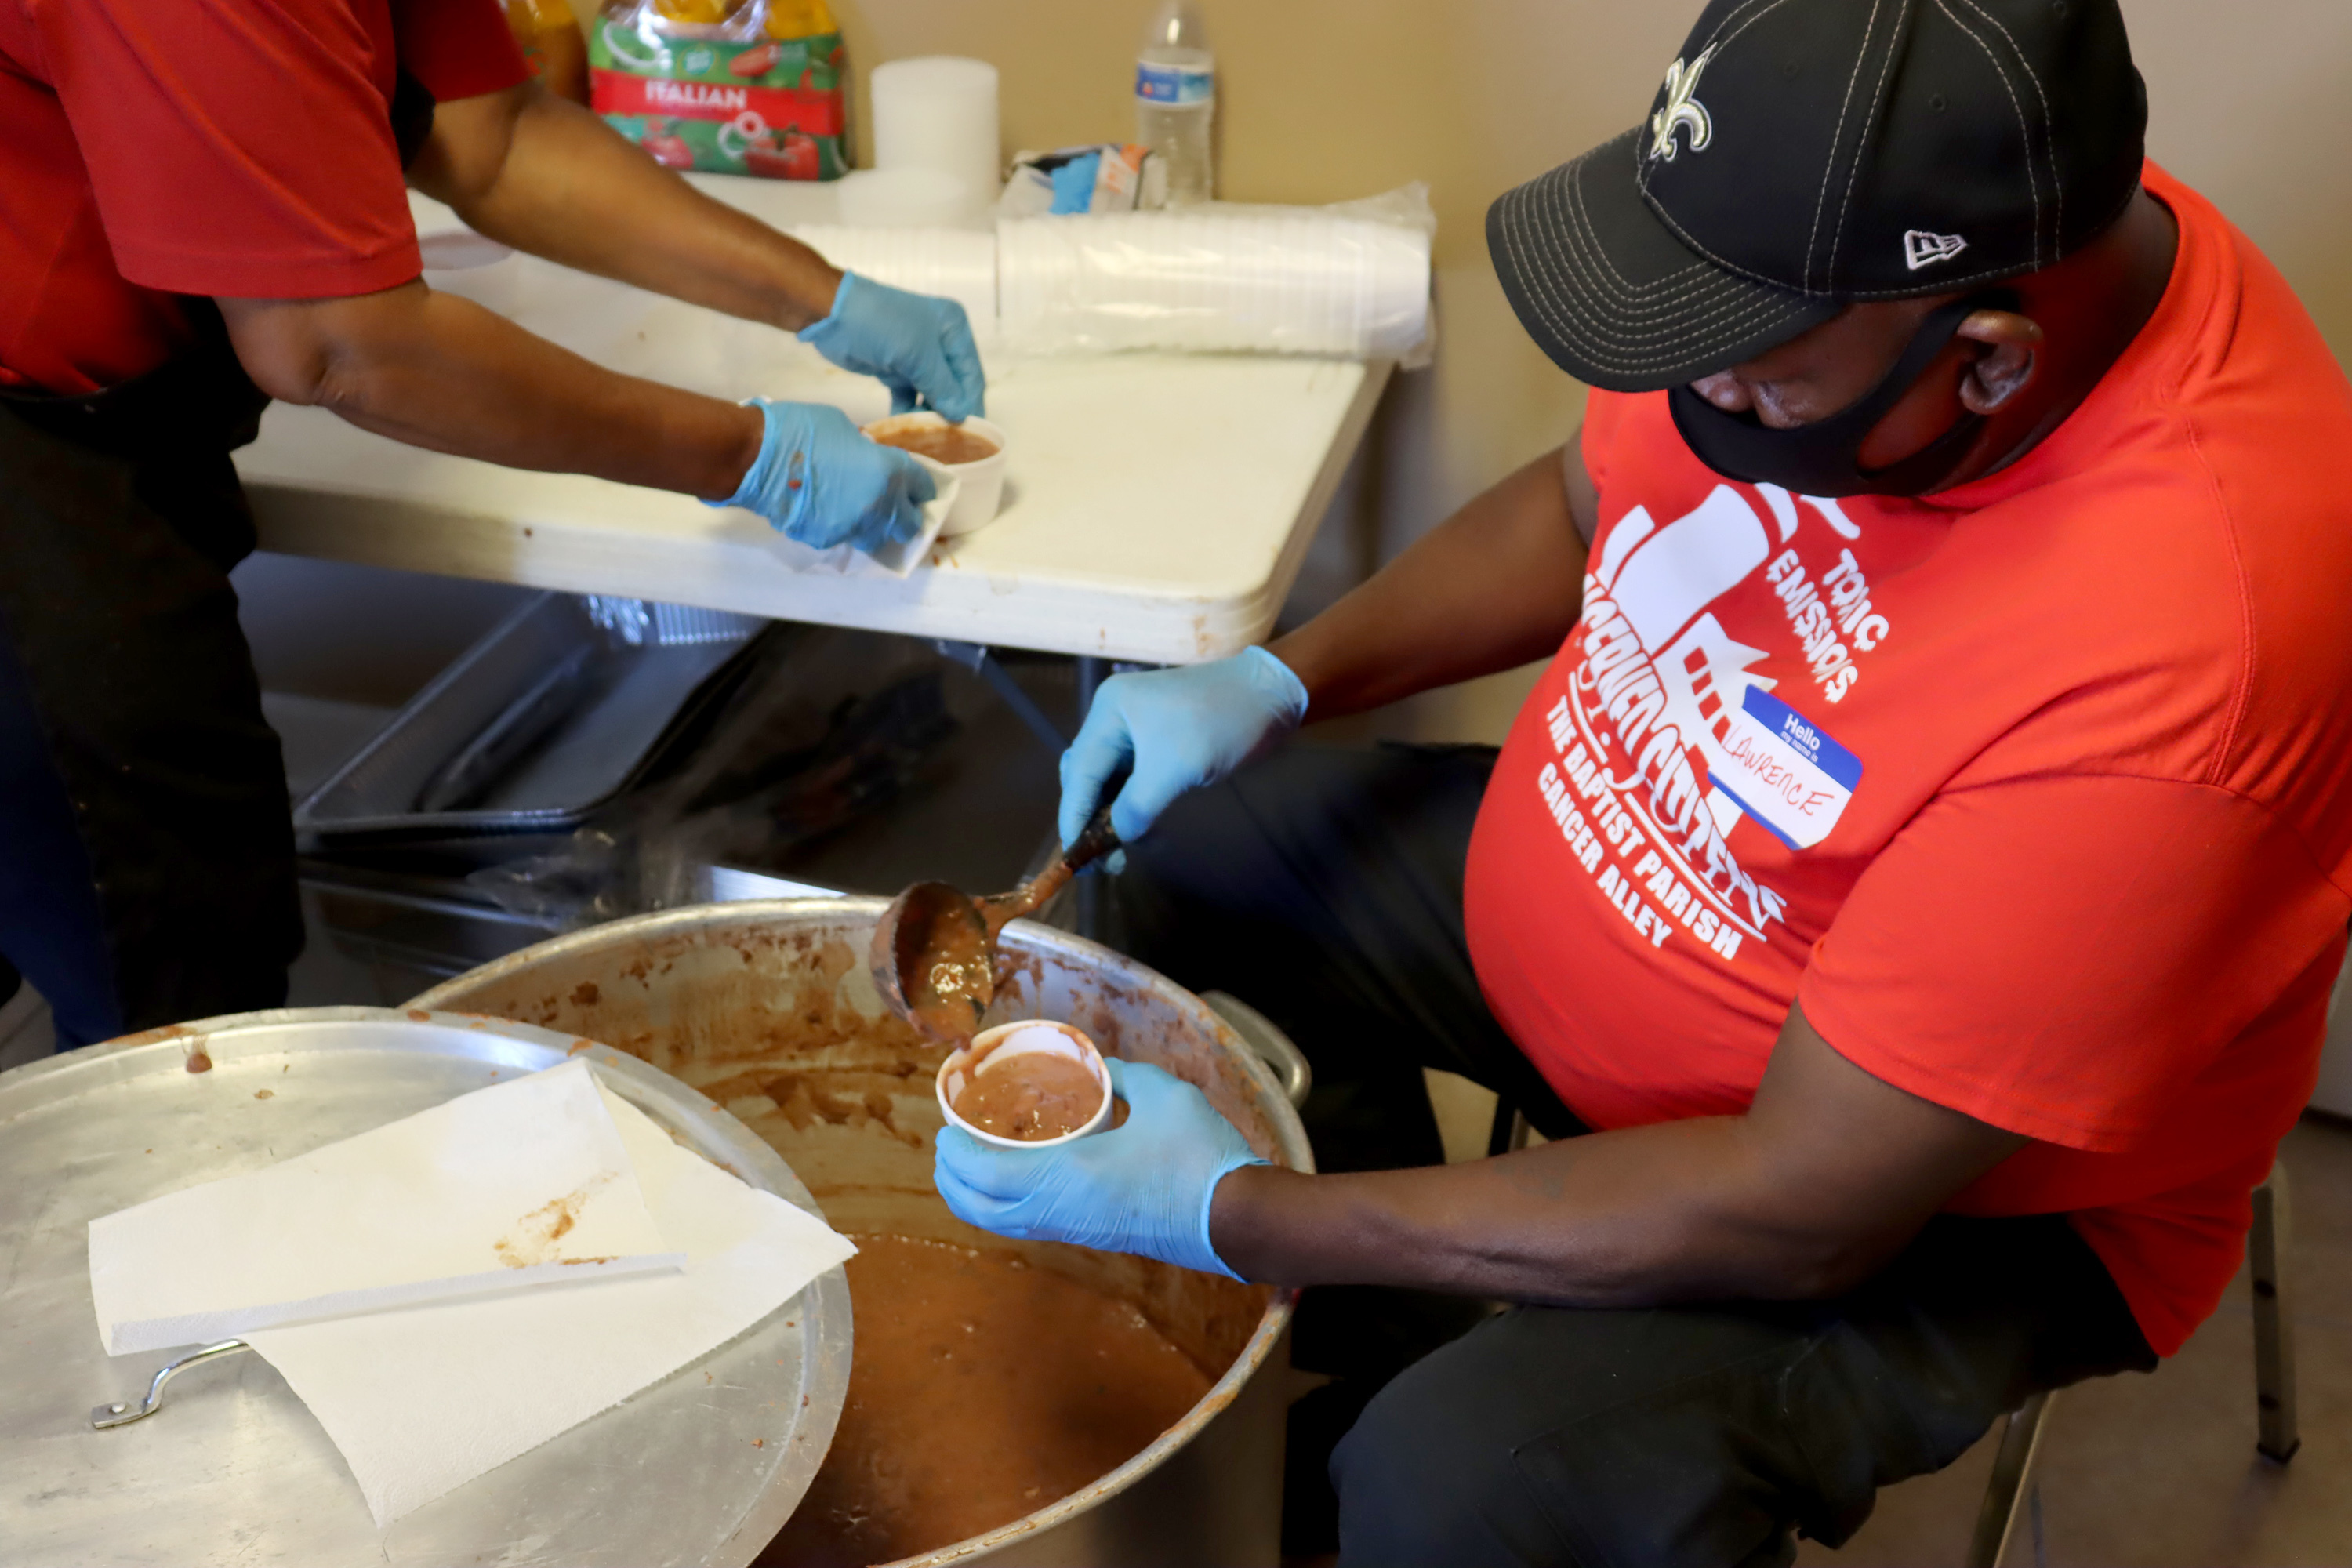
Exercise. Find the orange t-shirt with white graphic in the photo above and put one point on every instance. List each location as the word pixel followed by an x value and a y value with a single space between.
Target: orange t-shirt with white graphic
pixel 2036 793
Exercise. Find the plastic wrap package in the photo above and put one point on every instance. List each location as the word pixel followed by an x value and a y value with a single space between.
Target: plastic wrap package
pixel 735 87
pixel 1349 280
pixel 957 264
pixel 1104 177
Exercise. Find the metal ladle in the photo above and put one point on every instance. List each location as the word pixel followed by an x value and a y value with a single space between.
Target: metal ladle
pixel 934 955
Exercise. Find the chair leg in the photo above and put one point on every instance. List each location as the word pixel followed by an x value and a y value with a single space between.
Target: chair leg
pixel 1510 1134
pixel 2013 1480
pixel 2278 1435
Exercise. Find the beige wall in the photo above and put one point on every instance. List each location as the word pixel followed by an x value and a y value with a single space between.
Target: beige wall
pixel 1325 99
pixel 2250 104
pixel 1322 100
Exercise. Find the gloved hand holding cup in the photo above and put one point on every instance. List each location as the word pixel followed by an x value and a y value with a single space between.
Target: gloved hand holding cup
pixel 1145 1186
pixel 818 480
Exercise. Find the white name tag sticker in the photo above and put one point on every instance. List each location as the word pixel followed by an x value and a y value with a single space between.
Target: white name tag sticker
pixel 1785 772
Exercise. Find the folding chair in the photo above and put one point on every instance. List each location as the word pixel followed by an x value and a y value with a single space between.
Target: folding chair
pixel 2014 1482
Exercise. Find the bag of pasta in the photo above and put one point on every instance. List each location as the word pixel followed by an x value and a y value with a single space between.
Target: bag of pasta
pixel 736 87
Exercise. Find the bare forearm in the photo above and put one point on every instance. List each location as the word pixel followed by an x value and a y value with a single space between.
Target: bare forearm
pixel 1827 1174
pixel 1632 1218
pixel 1494 587
pixel 564 185
pixel 436 371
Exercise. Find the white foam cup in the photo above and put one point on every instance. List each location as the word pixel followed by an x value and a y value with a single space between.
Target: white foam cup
pixel 981 485
pixel 991 1049
pixel 939 112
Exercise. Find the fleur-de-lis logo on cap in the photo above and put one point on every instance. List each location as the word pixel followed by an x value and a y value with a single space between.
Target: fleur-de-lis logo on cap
pixel 1682 110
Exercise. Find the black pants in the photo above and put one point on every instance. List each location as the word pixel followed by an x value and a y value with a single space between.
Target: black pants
pixel 146 855
pixel 1324 887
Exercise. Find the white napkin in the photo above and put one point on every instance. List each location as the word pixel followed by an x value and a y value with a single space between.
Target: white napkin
pixel 420 1402
pixel 521 1186
pixel 891 559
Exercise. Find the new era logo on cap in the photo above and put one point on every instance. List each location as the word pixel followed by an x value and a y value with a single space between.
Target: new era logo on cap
pixel 1921 248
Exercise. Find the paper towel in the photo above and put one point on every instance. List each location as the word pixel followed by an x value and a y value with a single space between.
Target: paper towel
pixel 520 1187
pixel 420 1402
pixel 891 559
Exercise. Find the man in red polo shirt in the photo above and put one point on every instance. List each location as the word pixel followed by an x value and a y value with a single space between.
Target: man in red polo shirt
pixel 1918 876
pixel 202 207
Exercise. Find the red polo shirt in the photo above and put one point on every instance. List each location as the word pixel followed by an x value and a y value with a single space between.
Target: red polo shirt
pixel 2037 793
pixel 229 148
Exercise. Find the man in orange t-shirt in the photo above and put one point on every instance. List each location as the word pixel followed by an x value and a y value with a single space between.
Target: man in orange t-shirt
pixel 1919 875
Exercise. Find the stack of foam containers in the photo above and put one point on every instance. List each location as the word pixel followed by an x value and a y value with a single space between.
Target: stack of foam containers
pixel 1210 280
pixel 957 264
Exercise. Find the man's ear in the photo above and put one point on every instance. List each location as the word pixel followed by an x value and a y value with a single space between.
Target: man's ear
pixel 2004 362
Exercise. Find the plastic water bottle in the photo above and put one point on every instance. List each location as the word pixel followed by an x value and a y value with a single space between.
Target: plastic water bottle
pixel 1176 100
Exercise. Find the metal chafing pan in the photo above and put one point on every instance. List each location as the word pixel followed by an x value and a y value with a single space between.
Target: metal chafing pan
pixel 556 710
pixel 703 1467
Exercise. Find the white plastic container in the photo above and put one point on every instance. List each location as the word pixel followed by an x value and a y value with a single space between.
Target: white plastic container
pixel 991 1049
pixel 980 485
pixel 939 112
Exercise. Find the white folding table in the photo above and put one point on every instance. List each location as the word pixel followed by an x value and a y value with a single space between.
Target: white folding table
pixel 1156 507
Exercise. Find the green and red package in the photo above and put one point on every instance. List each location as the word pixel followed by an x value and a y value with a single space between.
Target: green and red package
pixel 746 91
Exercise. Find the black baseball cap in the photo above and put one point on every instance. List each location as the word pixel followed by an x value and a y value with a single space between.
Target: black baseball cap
pixel 1803 154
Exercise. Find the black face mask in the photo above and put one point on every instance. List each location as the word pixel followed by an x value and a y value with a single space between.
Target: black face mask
pixel 1818 458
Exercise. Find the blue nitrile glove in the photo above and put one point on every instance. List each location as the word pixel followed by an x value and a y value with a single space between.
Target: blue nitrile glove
pixel 917 346
pixel 819 480
pixel 1181 729
pixel 1144 1187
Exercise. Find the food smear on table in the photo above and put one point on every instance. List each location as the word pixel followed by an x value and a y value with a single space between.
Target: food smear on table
pixel 1030 1097
pixel 982 1388
pixel 949 444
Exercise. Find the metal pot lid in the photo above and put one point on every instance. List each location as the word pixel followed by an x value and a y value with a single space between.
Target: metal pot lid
pixel 234 1469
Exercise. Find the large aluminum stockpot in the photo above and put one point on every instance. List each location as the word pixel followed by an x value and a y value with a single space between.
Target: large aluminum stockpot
pixel 768 1008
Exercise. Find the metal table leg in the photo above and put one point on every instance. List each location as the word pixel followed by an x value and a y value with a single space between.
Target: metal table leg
pixel 976 658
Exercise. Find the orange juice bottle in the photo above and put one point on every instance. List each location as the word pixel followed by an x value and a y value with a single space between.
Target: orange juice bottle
pixel 551 45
